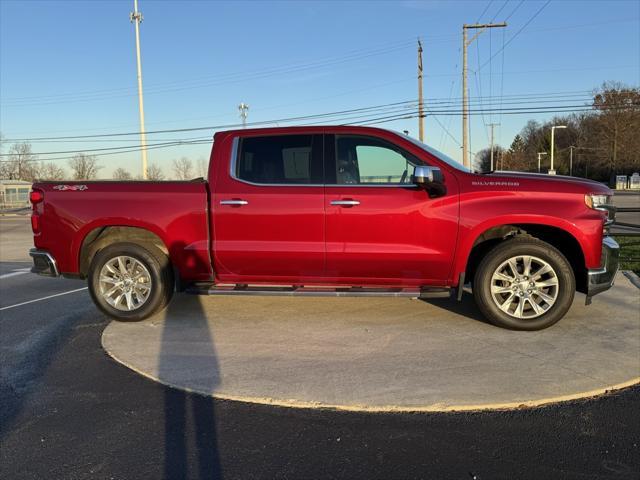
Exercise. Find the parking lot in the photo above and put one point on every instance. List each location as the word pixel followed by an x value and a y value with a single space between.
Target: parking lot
pixel 68 410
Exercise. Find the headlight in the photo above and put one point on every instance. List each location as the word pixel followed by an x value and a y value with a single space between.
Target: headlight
pixel 597 200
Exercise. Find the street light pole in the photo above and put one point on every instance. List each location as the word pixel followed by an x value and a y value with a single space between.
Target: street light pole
pixel 571 160
pixel 540 153
pixel 136 17
pixel 492 125
pixel 551 170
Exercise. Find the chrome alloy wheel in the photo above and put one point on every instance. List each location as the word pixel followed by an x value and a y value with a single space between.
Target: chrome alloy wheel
pixel 524 286
pixel 125 283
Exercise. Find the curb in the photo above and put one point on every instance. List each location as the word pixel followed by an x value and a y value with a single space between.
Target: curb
pixel 633 278
pixel 356 408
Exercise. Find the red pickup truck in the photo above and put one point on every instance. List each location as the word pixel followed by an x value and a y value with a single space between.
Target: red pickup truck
pixel 342 211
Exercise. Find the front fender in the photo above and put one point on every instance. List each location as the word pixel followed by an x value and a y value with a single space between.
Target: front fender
pixel 585 234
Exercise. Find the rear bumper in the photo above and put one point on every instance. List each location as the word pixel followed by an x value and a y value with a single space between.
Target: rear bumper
pixel 601 279
pixel 43 263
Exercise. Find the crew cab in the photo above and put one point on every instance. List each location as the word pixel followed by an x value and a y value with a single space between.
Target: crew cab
pixel 330 211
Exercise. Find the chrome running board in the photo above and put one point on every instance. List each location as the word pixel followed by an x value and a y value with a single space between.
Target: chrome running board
pixel 300 290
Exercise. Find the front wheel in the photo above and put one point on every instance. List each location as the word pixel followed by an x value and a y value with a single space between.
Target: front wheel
pixel 524 284
pixel 129 282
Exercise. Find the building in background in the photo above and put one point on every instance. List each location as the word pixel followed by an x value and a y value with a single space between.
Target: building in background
pixel 14 193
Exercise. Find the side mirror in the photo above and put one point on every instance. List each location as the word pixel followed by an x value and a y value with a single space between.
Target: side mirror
pixel 423 175
pixel 429 178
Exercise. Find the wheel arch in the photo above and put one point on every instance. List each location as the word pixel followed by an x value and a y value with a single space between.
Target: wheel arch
pixel 100 237
pixel 562 239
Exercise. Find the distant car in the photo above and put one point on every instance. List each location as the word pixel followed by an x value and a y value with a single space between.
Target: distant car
pixel 332 211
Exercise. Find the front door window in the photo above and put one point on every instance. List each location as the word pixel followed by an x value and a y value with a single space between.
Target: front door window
pixel 367 160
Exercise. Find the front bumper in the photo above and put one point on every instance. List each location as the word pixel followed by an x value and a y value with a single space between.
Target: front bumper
pixel 43 263
pixel 601 279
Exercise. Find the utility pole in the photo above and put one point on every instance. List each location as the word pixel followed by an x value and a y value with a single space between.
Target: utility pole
pixel 136 17
pixel 420 98
pixel 481 27
pixel 244 112
pixel 492 125
pixel 539 154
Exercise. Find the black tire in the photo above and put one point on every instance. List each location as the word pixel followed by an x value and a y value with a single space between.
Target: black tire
pixel 523 245
pixel 159 268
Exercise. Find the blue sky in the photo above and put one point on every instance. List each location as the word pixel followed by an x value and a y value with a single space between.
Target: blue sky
pixel 68 67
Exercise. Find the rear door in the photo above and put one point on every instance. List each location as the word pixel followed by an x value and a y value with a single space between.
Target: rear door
pixel 268 210
pixel 380 227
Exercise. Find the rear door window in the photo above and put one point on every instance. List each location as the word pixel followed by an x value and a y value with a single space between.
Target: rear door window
pixel 280 160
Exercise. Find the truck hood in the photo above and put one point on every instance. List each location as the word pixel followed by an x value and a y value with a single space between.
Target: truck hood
pixel 551 182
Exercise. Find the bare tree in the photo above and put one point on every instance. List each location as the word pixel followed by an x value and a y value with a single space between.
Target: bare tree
pixel 6 169
pixel 21 163
pixel 202 167
pixel 596 144
pixel 619 121
pixel 183 169
pixel 84 167
pixel 121 174
pixel 154 172
pixel 483 158
pixel 51 171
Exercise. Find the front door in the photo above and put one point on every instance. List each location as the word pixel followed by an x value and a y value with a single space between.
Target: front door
pixel 268 210
pixel 380 228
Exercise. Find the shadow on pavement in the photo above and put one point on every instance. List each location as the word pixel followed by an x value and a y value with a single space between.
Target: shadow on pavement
pixel 189 416
pixel 25 363
pixel 466 307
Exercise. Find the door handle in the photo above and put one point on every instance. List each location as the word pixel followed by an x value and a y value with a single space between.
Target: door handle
pixel 237 203
pixel 345 203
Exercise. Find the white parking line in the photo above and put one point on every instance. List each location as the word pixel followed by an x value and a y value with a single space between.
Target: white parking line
pixel 20 271
pixel 43 298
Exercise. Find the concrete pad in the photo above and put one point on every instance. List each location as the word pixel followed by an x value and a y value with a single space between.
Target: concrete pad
pixel 381 354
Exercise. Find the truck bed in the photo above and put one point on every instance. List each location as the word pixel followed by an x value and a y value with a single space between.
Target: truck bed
pixel 175 211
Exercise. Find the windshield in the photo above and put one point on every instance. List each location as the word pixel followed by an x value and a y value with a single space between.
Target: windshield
pixel 436 153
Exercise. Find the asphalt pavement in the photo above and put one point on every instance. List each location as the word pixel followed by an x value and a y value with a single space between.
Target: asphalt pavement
pixel 67 410
pixel 627 200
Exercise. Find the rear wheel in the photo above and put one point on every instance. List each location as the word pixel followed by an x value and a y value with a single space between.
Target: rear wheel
pixel 524 284
pixel 129 282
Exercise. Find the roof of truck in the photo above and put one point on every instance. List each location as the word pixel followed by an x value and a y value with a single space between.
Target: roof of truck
pixel 306 128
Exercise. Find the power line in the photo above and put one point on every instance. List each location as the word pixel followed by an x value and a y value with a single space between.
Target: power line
pixel 479 83
pixel 211 127
pixel 396 112
pixel 478 29
pixel 443 138
pixel 230 75
pixel 445 129
pixel 221 79
pixel 105 94
pixel 495 15
pixel 518 32
pixel 434 101
pixel 514 10
pixel 366 121
pixel 484 11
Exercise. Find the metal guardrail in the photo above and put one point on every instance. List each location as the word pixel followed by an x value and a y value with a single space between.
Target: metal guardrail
pixel 628 234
